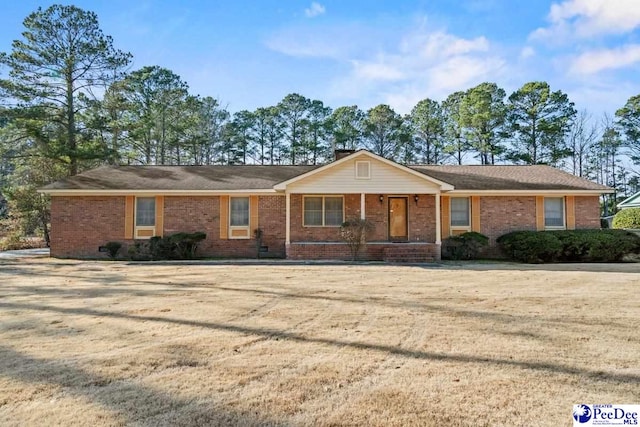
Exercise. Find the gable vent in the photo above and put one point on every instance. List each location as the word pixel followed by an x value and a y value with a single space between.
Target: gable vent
pixel 363 170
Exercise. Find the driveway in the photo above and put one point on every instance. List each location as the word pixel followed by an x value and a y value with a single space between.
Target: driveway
pixel 25 253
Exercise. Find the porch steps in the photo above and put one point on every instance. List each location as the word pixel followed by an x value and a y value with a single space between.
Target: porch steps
pixel 408 253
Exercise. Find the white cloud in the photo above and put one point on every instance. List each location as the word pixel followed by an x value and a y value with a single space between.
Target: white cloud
pixel 527 52
pixel 424 64
pixel 314 10
pixel 376 71
pixel 589 18
pixel 605 59
pixel 318 41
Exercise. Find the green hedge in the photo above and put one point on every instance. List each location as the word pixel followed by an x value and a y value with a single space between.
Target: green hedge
pixel 569 245
pixel 175 246
pixel 464 246
pixel 627 218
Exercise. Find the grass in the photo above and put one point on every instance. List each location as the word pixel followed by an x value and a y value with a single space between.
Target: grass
pixel 90 343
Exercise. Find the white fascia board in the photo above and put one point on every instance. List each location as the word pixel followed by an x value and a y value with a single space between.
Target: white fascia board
pixel 527 192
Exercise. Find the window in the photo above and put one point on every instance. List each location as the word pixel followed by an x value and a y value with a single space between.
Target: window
pixel 323 211
pixel 363 170
pixel 239 212
pixel 554 212
pixel 460 212
pixel 145 211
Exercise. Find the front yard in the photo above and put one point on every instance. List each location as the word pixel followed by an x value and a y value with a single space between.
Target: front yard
pixel 90 343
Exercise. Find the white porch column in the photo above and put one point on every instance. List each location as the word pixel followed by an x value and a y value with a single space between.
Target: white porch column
pixel 287 238
pixel 438 225
pixel 362 203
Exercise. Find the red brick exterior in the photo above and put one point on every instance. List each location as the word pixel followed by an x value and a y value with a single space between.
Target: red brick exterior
pixel 81 224
pixel 502 214
pixel 587 212
pixel 300 233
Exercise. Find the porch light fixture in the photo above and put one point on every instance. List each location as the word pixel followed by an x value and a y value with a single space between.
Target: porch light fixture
pixel 416 198
pixel 381 198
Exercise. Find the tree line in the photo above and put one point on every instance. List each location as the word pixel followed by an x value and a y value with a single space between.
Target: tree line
pixel 69 101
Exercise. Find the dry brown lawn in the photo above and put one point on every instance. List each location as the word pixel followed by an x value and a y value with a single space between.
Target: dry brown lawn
pixel 99 343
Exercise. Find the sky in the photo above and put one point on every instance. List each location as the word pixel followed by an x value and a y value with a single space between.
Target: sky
pixel 250 54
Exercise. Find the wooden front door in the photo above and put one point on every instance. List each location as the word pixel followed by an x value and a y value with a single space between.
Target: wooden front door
pixel 398 219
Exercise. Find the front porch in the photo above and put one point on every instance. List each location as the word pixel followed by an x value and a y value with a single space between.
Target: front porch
pixel 403 206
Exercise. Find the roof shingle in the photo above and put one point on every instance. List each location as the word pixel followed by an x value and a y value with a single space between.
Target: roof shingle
pixel 517 178
pixel 223 178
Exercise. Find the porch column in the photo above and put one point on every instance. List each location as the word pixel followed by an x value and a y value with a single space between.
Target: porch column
pixel 438 220
pixel 287 227
pixel 362 213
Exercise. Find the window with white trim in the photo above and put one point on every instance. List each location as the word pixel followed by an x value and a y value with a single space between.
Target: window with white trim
pixel 460 212
pixel 239 212
pixel 145 218
pixel 145 211
pixel 363 170
pixel 323 211
pixel 239 218
pixel 554 212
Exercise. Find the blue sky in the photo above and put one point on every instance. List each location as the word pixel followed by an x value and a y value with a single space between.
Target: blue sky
pixel 251 54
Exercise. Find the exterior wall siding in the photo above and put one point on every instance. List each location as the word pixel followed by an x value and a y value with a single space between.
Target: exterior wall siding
pixel 385 179
pixel 79 225
pixel 587 212
pixel 502 214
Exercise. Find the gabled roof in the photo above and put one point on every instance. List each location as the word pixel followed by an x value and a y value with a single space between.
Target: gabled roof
pixel 511 178
pixel 630 202
pixel 180 178
pixel 442 184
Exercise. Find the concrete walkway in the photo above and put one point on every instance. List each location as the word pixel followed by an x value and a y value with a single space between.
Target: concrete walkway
pixel 25 253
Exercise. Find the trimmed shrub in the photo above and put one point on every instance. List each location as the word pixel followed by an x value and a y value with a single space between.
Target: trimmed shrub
pixel 609 245
pixel 186 244
pixel 175 246
pixel 627 218
pixel 464 246
pixel 113 248
pixel 530 246
pixel 569 245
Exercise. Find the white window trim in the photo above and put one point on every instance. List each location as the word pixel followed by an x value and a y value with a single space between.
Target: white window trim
pixel 323 210
pixel 136 227
pixel 368 163
pixel 245 228
pixel 459 227
pixel 564 214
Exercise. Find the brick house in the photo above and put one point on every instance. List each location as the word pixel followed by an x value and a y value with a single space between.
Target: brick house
pixel 299 209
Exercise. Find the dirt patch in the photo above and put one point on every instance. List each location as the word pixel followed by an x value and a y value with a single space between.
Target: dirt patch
pixel 462 344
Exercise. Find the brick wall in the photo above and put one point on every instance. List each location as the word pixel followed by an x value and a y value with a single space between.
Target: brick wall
pixel 300 233
pixel 587 212
pixel 79 225
pixel 272 222
pixel 502 214
pixel 190 213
